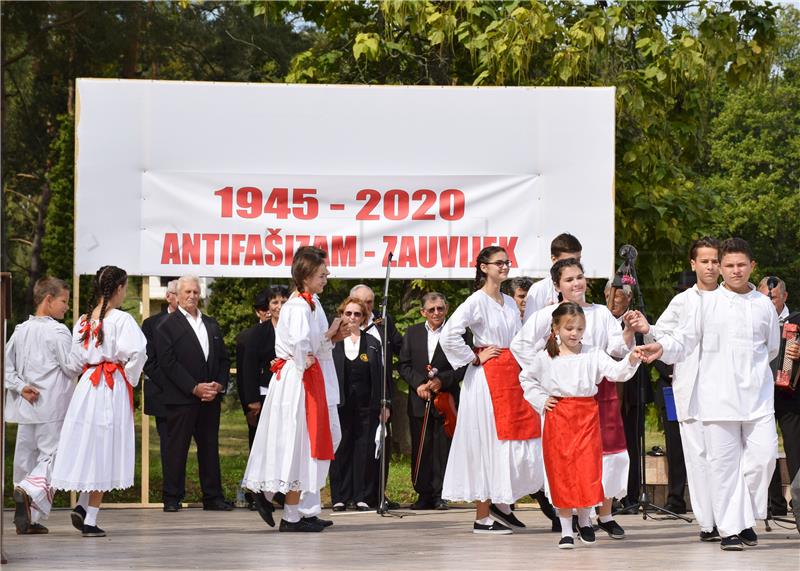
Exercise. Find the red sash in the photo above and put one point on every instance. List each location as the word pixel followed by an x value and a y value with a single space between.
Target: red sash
pixel 106 369
pixel 611 427
pixel 573 456
pixel 514 417
pixel 317 419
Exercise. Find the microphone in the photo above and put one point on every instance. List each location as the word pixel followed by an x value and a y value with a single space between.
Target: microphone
pixel 628 252
pixel 772 282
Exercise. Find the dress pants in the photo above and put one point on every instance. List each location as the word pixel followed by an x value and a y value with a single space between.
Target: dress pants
pixel 698 472
pixel 433 462
pixel 199 421
pixel 788 418
pixel 634 426
pixel 676 466
pixel 354 470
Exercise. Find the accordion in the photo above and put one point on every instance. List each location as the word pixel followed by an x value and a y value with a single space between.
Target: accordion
pixel 788 372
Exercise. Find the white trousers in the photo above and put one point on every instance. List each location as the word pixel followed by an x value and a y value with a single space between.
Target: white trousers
pixel 34 456
pixel 698 472
pixel 741 456
pixel 310 504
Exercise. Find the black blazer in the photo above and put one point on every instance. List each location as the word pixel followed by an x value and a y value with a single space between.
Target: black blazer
pixel 394 345
pixel 413 363
pixel 252 361
pixel 182 361
pixel 154 381
pixel 372 348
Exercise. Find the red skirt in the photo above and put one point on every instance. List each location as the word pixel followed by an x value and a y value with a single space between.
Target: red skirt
pixel 611 427
pixel 514 417
pixel 573 457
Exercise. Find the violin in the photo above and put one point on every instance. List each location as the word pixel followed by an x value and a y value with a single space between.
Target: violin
pixel 445 404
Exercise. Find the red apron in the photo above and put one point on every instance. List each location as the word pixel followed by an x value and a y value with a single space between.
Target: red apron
pixel 106 369
pixel 573 456
pixel 611 428
pixel 514 417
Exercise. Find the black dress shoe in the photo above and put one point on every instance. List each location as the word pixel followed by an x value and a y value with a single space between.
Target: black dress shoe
pixel 218 506
pixel 555 526
pixel 265 509
pixel 279 498
pixel 92 531
pixel 362 507
pixel 300 526
pixel 544 504
pixel 508 519
pixel 172 507
pixel 391 505
pixel 77 516
pixel 441 505
pixel 319 521
pixel 339 507
pixel 423 504
pixel 675 508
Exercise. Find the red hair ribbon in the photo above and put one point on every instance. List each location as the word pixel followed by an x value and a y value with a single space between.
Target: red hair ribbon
pixel 309 298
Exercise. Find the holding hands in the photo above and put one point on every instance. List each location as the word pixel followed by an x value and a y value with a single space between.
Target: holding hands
pixel 635 319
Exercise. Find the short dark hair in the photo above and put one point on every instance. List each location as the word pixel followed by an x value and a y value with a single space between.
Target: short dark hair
pixel 704 242
pixel 306 261
pixel 558 268
pixel 735 246
pixel 523 282
pixel 45 286
pixel 563 244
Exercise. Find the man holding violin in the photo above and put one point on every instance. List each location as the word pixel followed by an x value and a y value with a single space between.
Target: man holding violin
pixel 432 401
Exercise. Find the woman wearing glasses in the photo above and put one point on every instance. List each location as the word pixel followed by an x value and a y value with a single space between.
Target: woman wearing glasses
pixel 495 457
pixel 354 471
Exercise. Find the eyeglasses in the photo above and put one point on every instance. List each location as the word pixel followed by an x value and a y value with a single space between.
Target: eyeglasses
pixel 436 310
pixel 353 314
pixel 500 264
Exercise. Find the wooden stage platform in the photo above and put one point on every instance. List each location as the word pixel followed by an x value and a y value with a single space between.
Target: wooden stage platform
pixel 194 539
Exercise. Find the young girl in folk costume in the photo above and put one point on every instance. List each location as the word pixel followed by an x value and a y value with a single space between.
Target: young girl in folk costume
pixel 495 456
pixel 293 445
pixel 97 446
pixel 560 383
pixel 603 332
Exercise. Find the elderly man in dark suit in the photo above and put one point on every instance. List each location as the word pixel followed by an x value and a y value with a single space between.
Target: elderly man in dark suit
pixel 427 371
pixel 195 364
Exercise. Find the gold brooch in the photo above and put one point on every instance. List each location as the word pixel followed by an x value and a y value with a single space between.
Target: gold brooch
pixel 364 357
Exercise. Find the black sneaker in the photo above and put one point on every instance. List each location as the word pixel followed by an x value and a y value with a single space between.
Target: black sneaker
pixel 22 511
pixel 731 543
pixel 92 531
pixel 265 509
pixel 77 516
pixel 612 528
pixel 496 528
pixel 508 519
pixel 586 535
pixel 712 535
pixel 749 537
pixel 319 521
pixel 301 526
pixel 566 543
pixel 555 526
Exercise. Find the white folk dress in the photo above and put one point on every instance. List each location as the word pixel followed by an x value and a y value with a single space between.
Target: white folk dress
pixel 480 466
pixel 280 460
pixel 97 448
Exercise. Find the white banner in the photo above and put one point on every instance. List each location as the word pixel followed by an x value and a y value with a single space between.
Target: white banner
pixel 230 179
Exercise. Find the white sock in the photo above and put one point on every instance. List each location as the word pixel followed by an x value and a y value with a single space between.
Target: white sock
pixel 291 513
pixel 584 519
pixel 566 526
pixel 36 515
pixel 83 499
pixel 606 518
pixel 91 516
pixel 485 521
pixel 505 508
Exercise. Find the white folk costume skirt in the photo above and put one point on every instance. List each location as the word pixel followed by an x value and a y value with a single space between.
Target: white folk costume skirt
pixel 280 460
pixel 615 474
pixel 97 448
pixel 480 466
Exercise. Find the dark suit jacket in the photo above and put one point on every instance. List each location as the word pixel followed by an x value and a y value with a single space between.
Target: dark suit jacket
pixel 154 380
pixel 182 362
pixel 252 361
pixel 413 363
pixel 372 348
pixel 394 346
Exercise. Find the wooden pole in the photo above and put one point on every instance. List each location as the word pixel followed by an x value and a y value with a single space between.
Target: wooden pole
pixel 76 313
pixel 145 439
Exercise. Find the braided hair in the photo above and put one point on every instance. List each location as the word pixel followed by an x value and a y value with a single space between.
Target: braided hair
pixel 566 309
pixel 105 283
pixel 483 258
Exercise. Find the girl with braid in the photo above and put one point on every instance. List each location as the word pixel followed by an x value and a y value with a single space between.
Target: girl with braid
pixel 97 444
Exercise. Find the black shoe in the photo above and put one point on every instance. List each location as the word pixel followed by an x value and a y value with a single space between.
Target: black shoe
pixel 319 521
pixel 555 526
pixel 731 543
pixel 265 509
pixel 496 528
pixel 251 506
pixel 629 507
pixel 423 504
pixel 508 519
pixel 566 543
pixel 219 505
pixel 712 535
pixel 545 505
pixel 77 516
pixel 586 535
pixel 749 537
pixel 339 507
pixel 441 505
pixel 612 528
pixel 301 526
pixel 675 508
pixel 575 526
pixel 362 507
pixel 22 511
pixel 779 512
pixel 172 507
pixel 35 529
pixel 391 505
pixel 92 531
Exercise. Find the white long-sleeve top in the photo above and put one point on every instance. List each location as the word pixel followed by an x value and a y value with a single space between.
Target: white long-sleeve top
pixel 736 335
pixel 38 354
pixel 541 294
pixel 572 375
pixel 602 331
pixel 490 323
pixel 325 356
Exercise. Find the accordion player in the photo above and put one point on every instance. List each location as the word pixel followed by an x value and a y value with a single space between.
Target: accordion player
pixel 787 372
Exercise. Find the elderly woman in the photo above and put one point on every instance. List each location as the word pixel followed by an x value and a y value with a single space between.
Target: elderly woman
pixel 354 471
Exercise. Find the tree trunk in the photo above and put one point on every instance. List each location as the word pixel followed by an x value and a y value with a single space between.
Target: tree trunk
pixel 35 269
